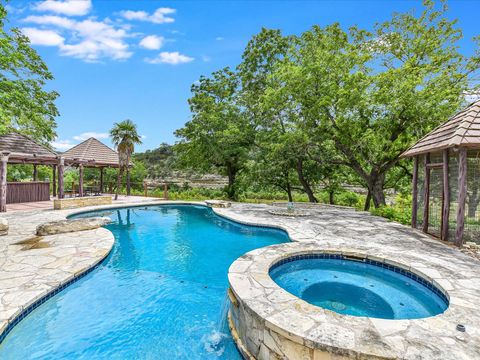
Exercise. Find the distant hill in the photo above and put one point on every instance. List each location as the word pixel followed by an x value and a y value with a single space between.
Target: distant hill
pixel 160 164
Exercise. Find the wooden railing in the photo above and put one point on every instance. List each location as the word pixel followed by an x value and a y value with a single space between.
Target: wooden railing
pixel 20 192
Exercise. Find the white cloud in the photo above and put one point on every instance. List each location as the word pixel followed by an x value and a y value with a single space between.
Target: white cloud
pixel 219 38
pixel 152 42
pixel 50 20
pixel 206 58
pixel 472 96
pixel 43 37
pixel 65 7
pixel 87 135
pixel 158 17
pixel 62 145
pixel 172 58
pixel 89 40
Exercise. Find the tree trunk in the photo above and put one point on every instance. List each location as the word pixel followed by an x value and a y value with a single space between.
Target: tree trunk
pixel 331 198
pixel 375 188
pixel 306 186
pixel 119 182
pixel 289 192
pixel 368 200
pixel 231 191
pixel 128 181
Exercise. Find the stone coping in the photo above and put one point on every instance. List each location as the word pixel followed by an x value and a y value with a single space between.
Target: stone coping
pixel 359 234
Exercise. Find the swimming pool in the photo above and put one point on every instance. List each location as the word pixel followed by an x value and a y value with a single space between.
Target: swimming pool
pixel 160 294
pixel 359 287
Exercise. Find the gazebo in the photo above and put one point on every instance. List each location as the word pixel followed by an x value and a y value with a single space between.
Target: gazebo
pixel 16 148
pixel 446 179
pixel 93 154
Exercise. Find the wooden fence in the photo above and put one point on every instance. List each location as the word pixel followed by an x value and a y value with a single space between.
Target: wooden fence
pixel 19 192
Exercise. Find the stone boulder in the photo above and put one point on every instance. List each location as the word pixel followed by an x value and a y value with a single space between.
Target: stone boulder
pixel 66 226
pixel 218 203
pixel 3 226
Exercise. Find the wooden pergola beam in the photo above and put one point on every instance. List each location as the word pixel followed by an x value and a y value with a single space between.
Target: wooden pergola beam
pixel 3 182
pixel 80 180
pixel 462 195
pixel 61 166
pixel 415 192
pixel 446 197
pixel 426 193
pixel 54 180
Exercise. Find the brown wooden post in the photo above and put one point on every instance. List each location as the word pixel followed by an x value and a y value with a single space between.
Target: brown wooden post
pixel 145 189
pixel 80 180
pixel 101 180
pixel 426 193
pixel 415 192
pixel 35 172
pixel 165 191
pixel 446 197
pixel 54 180
pixel 61 189
pixel 462 195
pixel 3 182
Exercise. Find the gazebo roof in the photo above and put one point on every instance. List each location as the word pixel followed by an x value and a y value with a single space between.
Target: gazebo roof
pixel 92 152
pixel 462 130
pixel 23 149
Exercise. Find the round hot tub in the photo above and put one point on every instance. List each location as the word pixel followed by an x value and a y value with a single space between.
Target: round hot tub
pixel 359 286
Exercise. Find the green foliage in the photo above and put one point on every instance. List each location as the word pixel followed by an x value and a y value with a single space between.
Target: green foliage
pixel 400 211
pixel 218 137
pixel 160 162
pixel 372 95
pixel 124 136
pixel 330 106
pixel 23 172
pixel 24 104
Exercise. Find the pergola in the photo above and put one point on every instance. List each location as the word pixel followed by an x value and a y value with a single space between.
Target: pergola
pixel 92 154
pixel 446 179
pixel 16 148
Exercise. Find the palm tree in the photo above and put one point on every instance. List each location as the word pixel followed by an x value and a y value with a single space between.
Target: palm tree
pixel 124 136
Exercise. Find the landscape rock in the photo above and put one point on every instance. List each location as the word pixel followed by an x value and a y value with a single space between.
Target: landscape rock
pixel 66 226
pixel 3 226
pixel 218 203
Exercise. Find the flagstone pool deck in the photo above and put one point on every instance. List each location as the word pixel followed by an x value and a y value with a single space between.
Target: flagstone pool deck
pixel 32 269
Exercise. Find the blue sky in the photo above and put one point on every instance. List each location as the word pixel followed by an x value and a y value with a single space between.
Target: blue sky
pixel 114 59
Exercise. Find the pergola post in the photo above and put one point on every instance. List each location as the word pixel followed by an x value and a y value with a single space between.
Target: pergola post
pixel 415 192
pixel 61 191
pixel 462 195
pixel 426 193
pixel 101 180
pixel 80 181
pixel 446 197
pixel 35 172
pixel 54 180
pixel 3 182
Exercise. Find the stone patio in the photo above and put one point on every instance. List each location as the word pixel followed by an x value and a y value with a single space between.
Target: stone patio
pixel 30 268
pixel 272 323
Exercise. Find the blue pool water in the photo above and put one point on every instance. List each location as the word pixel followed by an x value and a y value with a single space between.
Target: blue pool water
pixel 161 293
pixel 357 288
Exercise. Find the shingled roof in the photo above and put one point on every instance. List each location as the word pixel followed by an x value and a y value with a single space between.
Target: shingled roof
pixel 23 149
pixel 462 130
pixel 94 152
